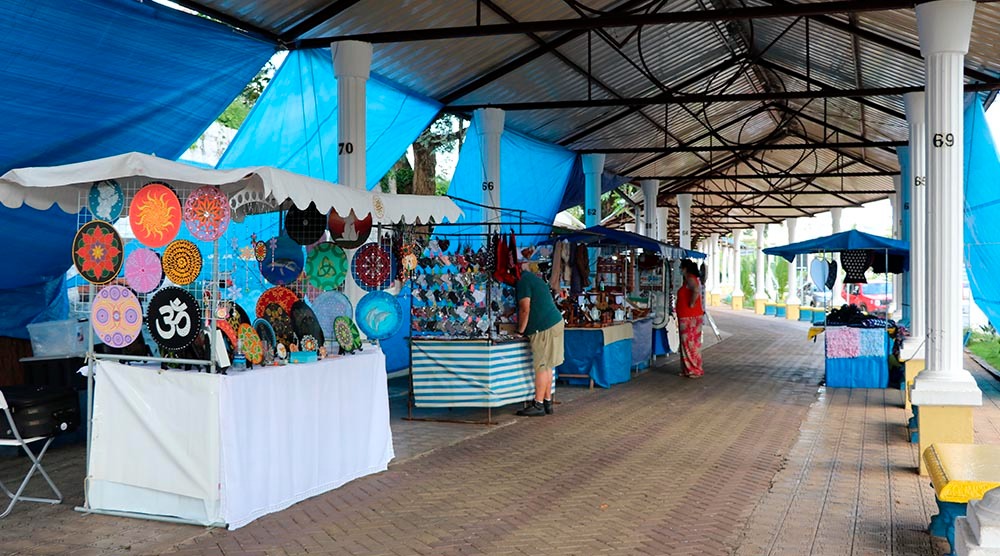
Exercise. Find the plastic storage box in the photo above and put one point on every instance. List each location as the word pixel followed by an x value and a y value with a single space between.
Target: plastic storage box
pixel 58 338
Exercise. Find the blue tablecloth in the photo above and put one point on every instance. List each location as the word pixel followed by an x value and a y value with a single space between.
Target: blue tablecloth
pixel 586 354
pixel 642 342
pixel 661 343
pixel 857 357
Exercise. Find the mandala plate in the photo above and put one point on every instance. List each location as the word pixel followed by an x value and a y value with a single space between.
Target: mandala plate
pixel 116 316
pixel 155 215
pixel 98 252
pixel 206 213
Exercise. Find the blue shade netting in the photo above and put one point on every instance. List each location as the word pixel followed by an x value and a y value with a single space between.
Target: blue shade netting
pixel 293 125
pixel 982 212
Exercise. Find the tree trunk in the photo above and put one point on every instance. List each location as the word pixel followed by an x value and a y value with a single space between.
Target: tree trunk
pixel 424 169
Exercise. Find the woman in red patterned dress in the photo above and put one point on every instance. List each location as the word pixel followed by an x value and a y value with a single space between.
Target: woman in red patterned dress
pixel 690 313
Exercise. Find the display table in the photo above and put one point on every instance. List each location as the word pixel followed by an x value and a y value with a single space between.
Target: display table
pixel 603 354
pixel 227 449
pixel 471 373
pixel 856 357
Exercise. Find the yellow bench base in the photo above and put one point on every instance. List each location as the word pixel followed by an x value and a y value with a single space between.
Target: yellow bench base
pixel 943 424
pixel 792 312
pixel 759 306
pixel 737 302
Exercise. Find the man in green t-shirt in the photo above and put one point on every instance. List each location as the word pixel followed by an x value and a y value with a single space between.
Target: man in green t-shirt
pixel 540 320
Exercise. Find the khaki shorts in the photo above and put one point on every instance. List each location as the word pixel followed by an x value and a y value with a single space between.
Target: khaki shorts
pixel 547 347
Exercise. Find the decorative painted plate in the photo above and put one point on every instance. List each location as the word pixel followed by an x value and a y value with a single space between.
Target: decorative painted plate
pixel 328 306
pixel 372 267
pixel 350 232
pixel 116 316
pixel 309 344
pixel 259 250
pixel 305 226
pixel 227 329
pixel 98 252
pixel 305 323
pixel 143 270
pixel 265 332
pixel 250 344
pixel 284 297
pixel 106 200
pixel 173 318
pixel 206 213
pixel 155 215
pixel 281 323
pixel 326 266
pixel 182 262
pixel 347 334
pixel 379 315
pixel 282 262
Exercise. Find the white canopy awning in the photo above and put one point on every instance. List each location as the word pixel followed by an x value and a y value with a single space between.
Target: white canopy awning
pixel 253 189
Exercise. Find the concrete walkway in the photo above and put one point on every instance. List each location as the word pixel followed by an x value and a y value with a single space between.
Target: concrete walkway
pixel 756 458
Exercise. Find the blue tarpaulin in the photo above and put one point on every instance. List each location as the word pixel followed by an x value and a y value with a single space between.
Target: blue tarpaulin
pixel 533 179
pixel 982 212
pixel 92 78
pixel 293 126
pixel 843 241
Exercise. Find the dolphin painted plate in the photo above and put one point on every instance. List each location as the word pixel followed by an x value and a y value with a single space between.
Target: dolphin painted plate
pixel 206 213
pixel 116 316
pixel 106 200
pixel 98 252
pixel 379 315
pixel 155 215
pixel 282 262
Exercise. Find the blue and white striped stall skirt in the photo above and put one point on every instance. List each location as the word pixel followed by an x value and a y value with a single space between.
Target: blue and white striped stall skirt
pixel 471 373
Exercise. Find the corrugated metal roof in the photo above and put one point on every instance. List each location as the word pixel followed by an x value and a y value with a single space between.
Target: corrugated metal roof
pixel 671 56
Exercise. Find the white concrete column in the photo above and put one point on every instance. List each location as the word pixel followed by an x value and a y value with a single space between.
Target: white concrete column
pixel 793 283
pixel 650 188
pixel 593 167
pixel 737 272
pixel 760 276
pixel 684 219
pixel 351 65
pixel 662 224
pixel 489 125
pixel 715 290
pixel 837 297
pixel 944 28
pixel 352 62
pixel 916 118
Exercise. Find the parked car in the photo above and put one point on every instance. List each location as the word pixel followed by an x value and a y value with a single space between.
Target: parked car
pixel 817 297
pixel 874 297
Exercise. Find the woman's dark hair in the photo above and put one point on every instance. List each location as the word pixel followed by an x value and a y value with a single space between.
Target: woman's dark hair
pixel 690 267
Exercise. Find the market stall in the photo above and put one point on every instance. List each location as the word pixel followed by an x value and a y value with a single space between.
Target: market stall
pixel 611 322
pixel 857 344
pixel 463 351
pixel 199 413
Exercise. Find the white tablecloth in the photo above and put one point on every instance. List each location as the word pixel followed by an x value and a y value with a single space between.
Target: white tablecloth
pixel 230 448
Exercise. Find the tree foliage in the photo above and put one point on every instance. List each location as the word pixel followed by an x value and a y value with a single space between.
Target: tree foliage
pixel 238 110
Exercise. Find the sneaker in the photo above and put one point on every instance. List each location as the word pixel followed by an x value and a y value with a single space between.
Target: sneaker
pixel 547 405
pixel 534 410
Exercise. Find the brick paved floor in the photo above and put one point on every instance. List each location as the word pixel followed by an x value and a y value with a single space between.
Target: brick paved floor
pixel 752 459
